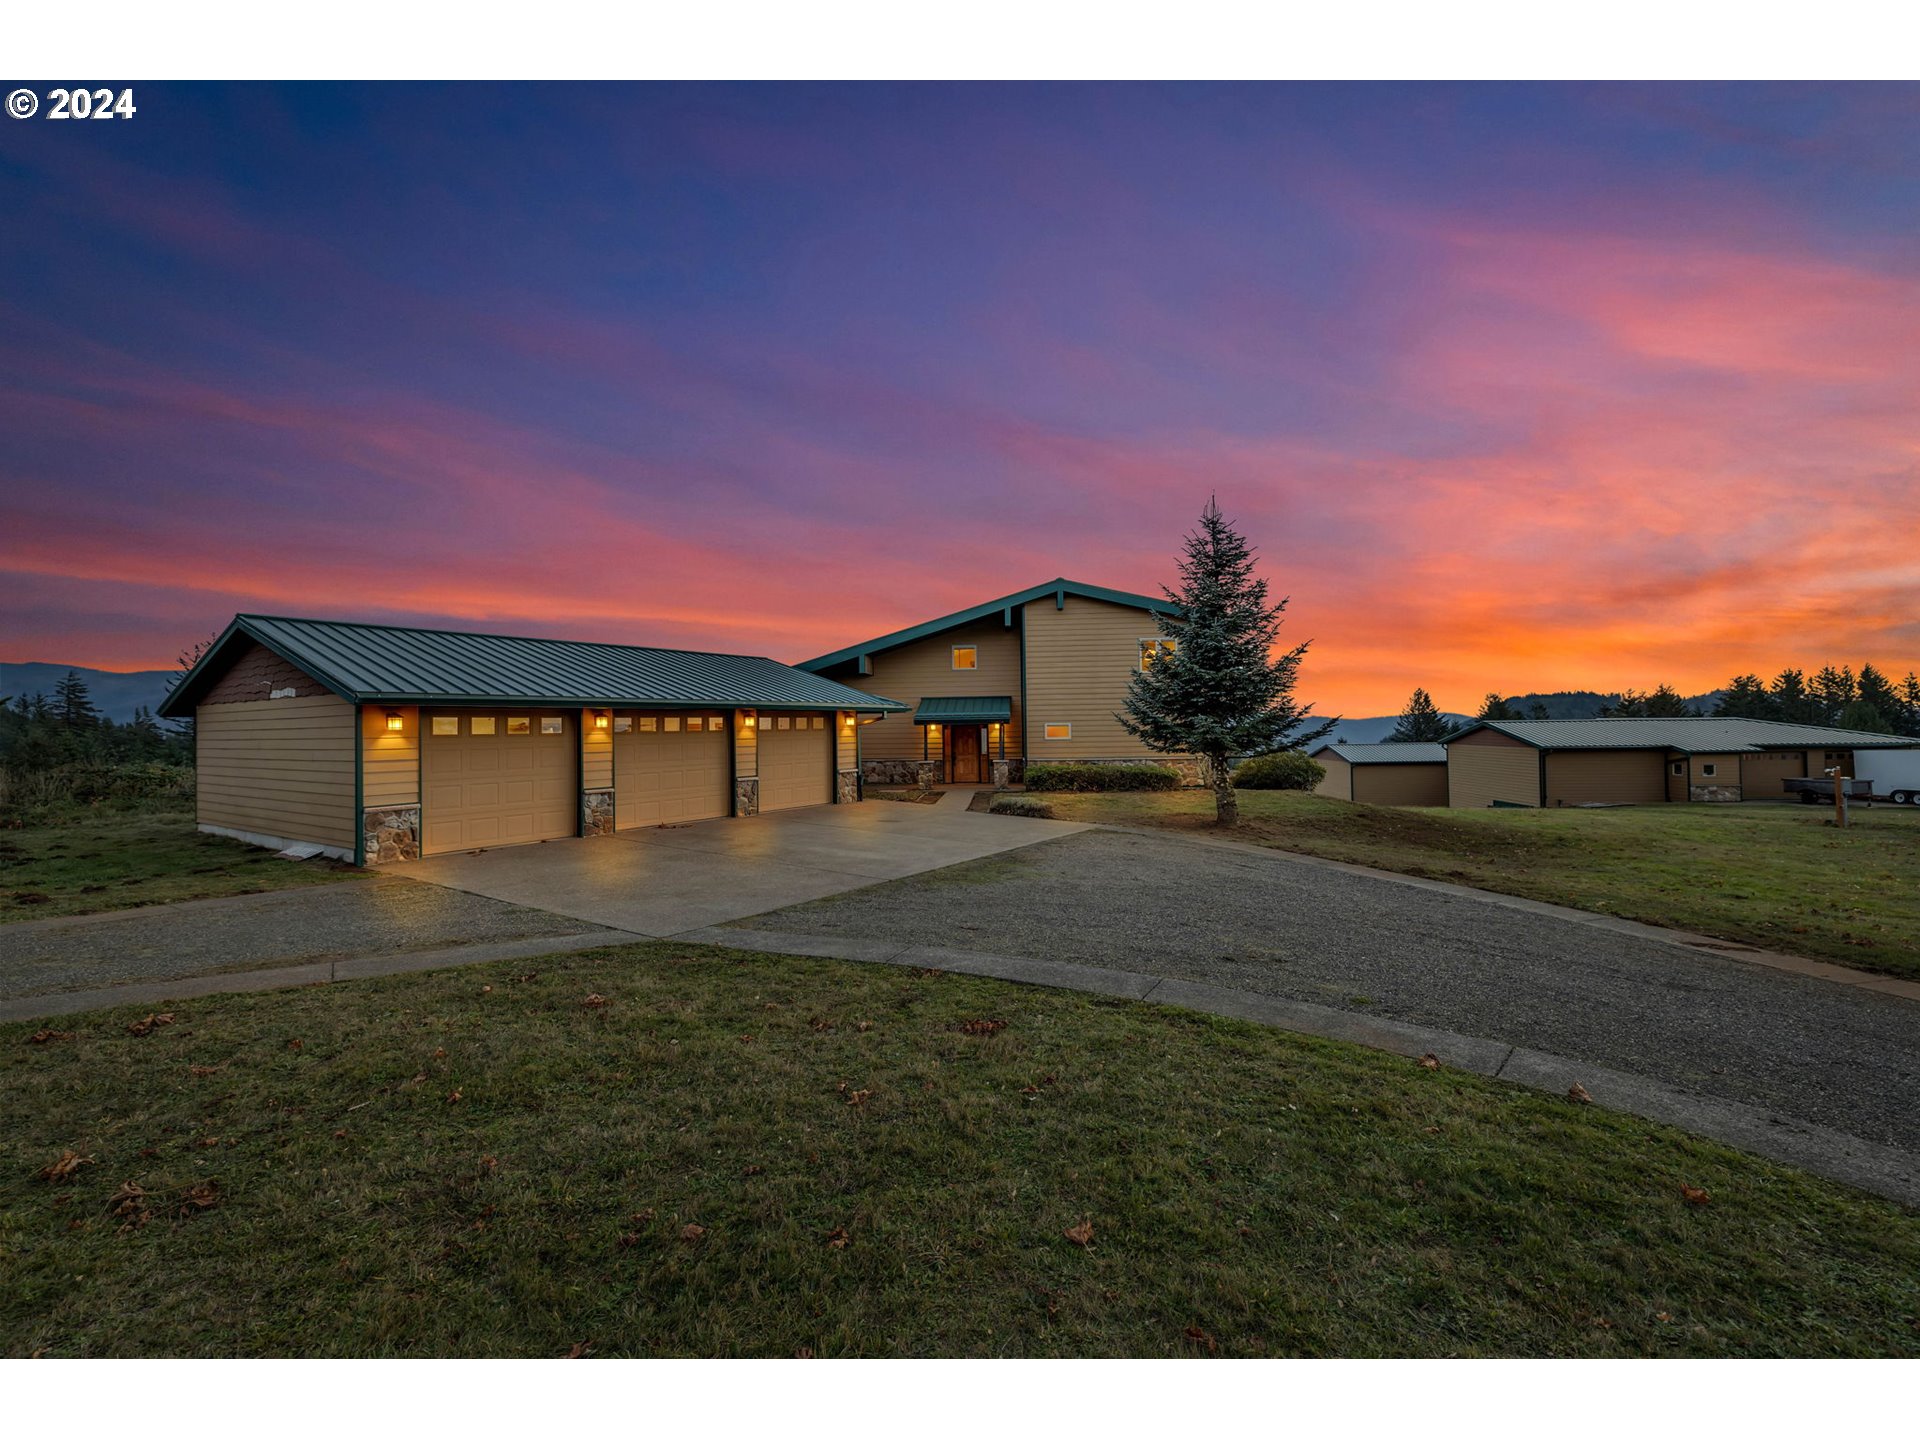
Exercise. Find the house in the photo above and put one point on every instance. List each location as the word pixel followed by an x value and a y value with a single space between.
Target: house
pixel 1387 774
pixel 376 743
pixel 1035 676
pixel 1643 761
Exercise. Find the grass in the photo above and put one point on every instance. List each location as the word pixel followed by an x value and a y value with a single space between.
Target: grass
pixel 115 861
pixel 662 1150
pixel 1776 876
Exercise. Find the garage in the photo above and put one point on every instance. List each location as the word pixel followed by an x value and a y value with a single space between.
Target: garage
pixel 796 761
pixel 669 768
pixel 497 778
pixel 1763 774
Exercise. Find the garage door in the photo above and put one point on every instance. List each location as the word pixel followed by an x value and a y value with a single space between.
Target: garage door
pixel 1761 774
pixel 795 761
pixel 501 778
pixel 671 768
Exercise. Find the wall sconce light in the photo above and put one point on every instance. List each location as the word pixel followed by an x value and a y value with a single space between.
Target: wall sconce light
pixel 394 722
pixel 602 720
pixel 747 720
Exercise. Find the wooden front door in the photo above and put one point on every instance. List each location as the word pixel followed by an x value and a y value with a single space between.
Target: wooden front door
pixel 963 755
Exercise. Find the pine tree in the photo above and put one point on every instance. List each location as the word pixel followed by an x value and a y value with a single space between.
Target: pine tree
pixel 1832 691
pixel 1790 695
pixel 1538 711
pixel 1495 708
pixel 1222 691
pixel 1909 722
pixel 1746 698
pixel 1862 715
pixel 1420 722
pixel 1667 703
pixel 1876 690
pixel 1628 703
pixel 72 705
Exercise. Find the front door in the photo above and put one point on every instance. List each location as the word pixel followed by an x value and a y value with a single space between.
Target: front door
pixel 963 755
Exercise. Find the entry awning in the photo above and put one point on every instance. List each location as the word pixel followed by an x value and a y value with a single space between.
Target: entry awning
pixel 964 710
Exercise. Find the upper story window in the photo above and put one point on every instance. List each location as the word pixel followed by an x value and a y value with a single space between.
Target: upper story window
pixel 966 657
pixel 1152 648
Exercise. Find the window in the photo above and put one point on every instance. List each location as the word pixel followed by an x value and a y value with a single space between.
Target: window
pixel 1709 770
pixel 696 722
pixel 966 657
pixel 552 725
pixel 1057 731
pixel 1679 767
pixel 623 724
pixel 818 723
pixel 672 723
pixel 649 722
pixel 446 724
pixel 519 725
pixel 1152 648
pixel 481 725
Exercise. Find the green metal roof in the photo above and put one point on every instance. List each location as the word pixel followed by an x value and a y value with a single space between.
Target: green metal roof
pixel 964 710
pixel 1694 735
pixel 1388 753
pixel 1057 590
pixel 388 664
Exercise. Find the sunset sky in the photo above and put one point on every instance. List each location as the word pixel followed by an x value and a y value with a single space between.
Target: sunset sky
pixel 1515 387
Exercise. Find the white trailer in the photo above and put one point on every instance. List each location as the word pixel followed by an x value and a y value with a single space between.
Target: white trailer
pixel 1894 773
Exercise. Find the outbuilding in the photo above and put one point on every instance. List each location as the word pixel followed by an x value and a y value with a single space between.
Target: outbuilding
pixel 1403 774
pixel 376 743
pixel 1645 761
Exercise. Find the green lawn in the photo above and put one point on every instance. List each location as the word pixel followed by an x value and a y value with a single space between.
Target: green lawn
pixel 663 1150
pixel 113 861
pixel 1775 876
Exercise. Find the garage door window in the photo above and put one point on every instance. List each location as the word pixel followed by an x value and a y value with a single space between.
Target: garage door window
pixel 673 724
pixel 623 724
pixel 482 725
pixel 552 725
pixel 696 722
pixel 446 724
pixel 519 725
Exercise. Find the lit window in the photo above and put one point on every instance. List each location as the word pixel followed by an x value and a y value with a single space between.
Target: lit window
pixel 623 724
pixel 696 722
pixel 1152 649
pixel 446 724
pixel 552 725
pixel 1057 731
pixel 966 657
pixel 784 722
pixel 481 725
pixel 649 722
pixel 519 725
pixel 672 724
pixel 818 723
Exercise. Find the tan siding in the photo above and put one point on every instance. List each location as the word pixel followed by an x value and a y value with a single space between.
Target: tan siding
pixel 1400 784
pixel 1079 662
pixel 1618 777
pixel 390 762
pixel 596 752
pixel 913 672
pixel 282 768
pixel 1726 770
pixel 1338 781
pixel 1761 774
pixel 1676 784
pixel 746 753
pixel 847 747
pixel 1486 766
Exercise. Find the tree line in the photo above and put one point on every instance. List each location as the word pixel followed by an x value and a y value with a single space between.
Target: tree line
pixel 1836 696
pixel 46 732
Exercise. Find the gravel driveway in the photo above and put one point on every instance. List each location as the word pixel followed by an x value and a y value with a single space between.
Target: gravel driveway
pixel 245 932
pixel 1267 922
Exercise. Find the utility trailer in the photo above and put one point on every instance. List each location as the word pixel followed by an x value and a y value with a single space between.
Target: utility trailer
pixel 1820 791
pixel 1894 774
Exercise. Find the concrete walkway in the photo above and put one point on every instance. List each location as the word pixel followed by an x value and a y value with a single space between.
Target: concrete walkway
pixel 673 878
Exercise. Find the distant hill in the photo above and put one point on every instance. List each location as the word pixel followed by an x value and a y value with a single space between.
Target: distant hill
pixel 117 693
pixel 1375 729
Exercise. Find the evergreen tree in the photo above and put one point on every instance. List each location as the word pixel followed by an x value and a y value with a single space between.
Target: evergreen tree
pixel 1667 702
pixel 1832 691
pixel 1876 690
pixel 72 705
pixel 1909 722
pixel 1746 698
pixel 1626 705
pixel 1420 722
pixel 1495 708
pixel 1221 692
pixel 1862 715
pixel 1538 711
pixel 1790 695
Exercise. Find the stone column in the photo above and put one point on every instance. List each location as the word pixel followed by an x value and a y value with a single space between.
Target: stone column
pixel 596 812
pixel 392 834
pixel 746 795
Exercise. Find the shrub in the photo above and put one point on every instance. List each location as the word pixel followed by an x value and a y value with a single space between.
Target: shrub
pixel 1282 770
pixel 1028 805
pixel 47 795
pixel 1101 777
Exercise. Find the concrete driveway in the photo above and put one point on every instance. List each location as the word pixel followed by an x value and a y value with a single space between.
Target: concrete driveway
pixel 664 881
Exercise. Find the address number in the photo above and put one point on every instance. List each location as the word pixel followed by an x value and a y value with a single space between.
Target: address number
pixel 90 105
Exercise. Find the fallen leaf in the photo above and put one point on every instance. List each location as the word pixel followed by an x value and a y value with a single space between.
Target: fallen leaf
pixel 487 1162
pixel 863 1026
pixel 66 1167
pixel 1429 1061
pixel 203 1196
pixel 439 1052
pixel 596 1002
pixel 339 1134
pixel 1081 1234
pixel 295 1044
pixel 580 1350
pixel 982 1027
pixel 837 1238
pixel 754 1170
pixel 202 1071
pixel 1663 1317
pixel 453 1097
pixel 641 1217
pixel 1693 1195
pixel 693 1234
pixel 630 1239
pixel 486 989
pixel 1201 1337
pixel 746 1039
pixel 206 1142
pixel 859 1097
pixel 1578 1092
pixel 149 1025
pixel 44 1037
